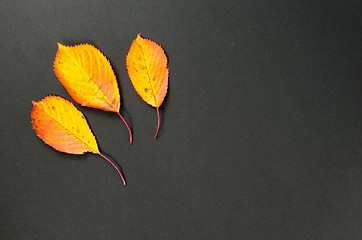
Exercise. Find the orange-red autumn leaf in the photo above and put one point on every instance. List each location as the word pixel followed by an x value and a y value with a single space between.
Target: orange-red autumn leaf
pixel 88 77
pixel 147 69
pixel 62 126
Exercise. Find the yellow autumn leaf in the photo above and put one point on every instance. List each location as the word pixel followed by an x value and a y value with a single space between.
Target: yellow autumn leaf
pixel 62 126
pixel 88 77
pixel 147 69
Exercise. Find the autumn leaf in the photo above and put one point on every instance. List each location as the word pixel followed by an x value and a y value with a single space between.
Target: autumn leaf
pixel 89 78
pixel 147 69
pixel 62 126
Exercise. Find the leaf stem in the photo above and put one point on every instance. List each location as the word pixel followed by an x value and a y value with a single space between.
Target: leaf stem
pixel 158 122
pixel 129 130
pixel 119 171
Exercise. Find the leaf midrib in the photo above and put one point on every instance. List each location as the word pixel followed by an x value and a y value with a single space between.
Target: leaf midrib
pixel 148 73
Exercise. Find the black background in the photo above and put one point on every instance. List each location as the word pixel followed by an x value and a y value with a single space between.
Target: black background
pixel 261 134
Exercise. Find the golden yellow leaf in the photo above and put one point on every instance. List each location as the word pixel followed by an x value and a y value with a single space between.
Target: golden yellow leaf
pixel 62 126
pixel 88 77
pixel 147 69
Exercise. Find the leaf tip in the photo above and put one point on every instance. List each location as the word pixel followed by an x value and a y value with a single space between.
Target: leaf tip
pixel 35 103
pixel 60 45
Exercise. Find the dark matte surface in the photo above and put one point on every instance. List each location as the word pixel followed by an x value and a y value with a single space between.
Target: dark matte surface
pixel 261 134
